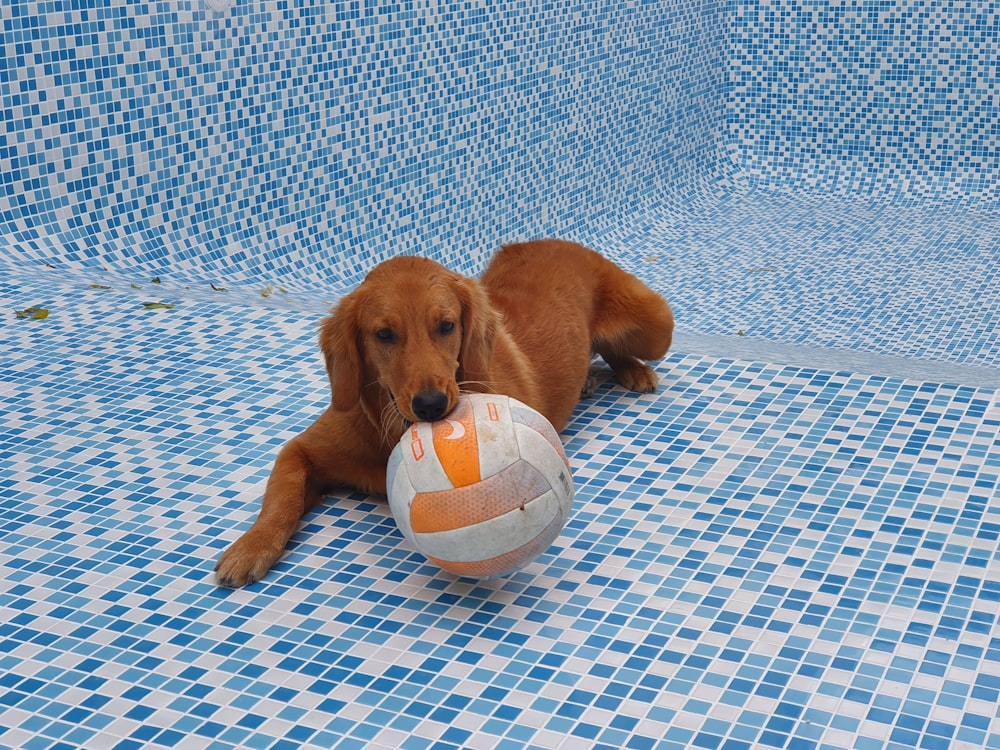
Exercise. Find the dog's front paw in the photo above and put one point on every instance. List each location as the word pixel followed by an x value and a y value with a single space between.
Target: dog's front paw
pixel 247 560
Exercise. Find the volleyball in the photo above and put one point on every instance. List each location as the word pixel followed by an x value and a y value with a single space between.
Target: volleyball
pixel 484 491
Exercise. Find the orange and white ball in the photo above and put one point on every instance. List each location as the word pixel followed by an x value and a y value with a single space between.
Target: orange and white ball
pixel 484 491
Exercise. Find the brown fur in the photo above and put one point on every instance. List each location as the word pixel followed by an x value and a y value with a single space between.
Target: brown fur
pixel 414 334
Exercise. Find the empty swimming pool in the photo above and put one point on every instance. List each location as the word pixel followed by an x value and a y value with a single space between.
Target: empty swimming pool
pixel 793 544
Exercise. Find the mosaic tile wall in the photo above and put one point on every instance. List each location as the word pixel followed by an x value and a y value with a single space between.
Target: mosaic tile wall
pixel 894 98
pixel 761 554
pixel 300 140
pixel 915 280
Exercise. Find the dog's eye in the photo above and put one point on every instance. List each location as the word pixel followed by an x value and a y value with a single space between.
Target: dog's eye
pixel 386 335
pixel 445 327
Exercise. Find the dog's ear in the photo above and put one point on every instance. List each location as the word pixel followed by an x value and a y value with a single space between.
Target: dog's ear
pixel 479 328
pixel 339 342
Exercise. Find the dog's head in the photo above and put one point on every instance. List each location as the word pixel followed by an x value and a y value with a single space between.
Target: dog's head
pixel 402 344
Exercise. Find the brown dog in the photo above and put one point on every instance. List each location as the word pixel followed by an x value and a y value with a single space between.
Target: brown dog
pixel 402 346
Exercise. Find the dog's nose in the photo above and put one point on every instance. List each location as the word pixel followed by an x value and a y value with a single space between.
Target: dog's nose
pixel 429 405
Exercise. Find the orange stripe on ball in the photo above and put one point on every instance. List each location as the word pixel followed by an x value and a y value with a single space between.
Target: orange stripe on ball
pixel 457 446
pixel 506 563
pixel 501 493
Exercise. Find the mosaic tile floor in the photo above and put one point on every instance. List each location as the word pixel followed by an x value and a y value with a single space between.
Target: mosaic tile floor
pixel 759 556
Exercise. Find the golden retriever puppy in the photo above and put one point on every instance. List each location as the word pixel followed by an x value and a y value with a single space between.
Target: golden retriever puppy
pixel 403 345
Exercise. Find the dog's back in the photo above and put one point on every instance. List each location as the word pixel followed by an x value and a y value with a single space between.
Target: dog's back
pixel 560 302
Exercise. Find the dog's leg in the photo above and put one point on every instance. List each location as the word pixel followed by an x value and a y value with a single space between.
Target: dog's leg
pixel 287 498
pixel 633 324
pixel 330 453
pixel 630 372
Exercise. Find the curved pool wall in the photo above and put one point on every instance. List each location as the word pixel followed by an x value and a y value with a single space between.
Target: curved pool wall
pixel 794 543
pixel 307 140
